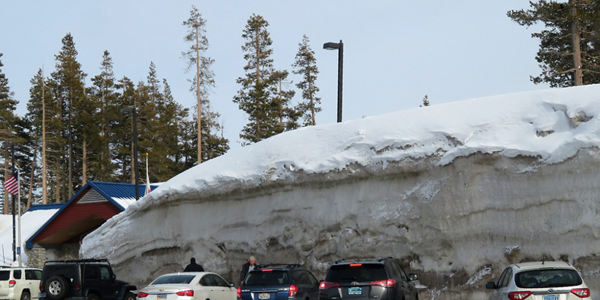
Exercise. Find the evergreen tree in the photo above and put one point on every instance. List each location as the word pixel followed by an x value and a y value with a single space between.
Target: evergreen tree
pixel 425 101
pixel 121 141
pixel 256 96
pixel 74 109
pixel 306 65
pixel 203 76
pixel 287 115
pixel 569 48
pixel 7 121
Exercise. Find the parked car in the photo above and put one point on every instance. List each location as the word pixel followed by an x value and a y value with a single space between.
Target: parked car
pixel 542 280
pixel 91 279
pixel 188 286
pixel 363 279
pixel 19 283
pixel 279 282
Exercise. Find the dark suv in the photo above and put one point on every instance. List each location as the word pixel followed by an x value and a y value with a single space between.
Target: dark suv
pixel 279 282
pixel 89 279
pixel 363 279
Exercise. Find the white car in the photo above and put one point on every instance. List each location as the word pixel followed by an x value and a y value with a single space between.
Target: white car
pixel 543 280
pixel 20 283
pixel 188 286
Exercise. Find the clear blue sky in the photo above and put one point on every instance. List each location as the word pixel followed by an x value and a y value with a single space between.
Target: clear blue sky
pixel 395 52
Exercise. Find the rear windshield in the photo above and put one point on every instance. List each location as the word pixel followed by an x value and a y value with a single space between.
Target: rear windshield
pixel 356 272
pixel 547 278
pixel 268 278
pixel 4 275
pixel 173 279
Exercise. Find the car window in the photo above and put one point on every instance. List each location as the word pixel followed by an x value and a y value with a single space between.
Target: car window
pixel 91 273
pixel 268 277
pixel 4 275
pixel 208 280
pixel 173 279
pixel 33 275
pixel 17 274
pixel 105 273
pixel 400 271
pixel 356 272
pixel 507 278
pixel 501 278
pixel 219 281
pixel 312 279
pixel 301 277
pixel 392 271
pixel 548 278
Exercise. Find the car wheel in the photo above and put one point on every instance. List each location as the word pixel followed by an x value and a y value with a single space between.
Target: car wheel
pixel 25 296
pixel 93 297
pixel 56 286
pixel 129 296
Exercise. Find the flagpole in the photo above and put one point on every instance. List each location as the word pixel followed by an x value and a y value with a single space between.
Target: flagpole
pixel 13 209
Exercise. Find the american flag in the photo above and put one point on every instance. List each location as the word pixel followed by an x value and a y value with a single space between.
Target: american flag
pixel 12 184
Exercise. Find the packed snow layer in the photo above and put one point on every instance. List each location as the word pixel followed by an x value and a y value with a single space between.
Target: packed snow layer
pixel 457 191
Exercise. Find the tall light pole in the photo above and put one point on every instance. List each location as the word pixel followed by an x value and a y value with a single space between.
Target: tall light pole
pixel 340 47
pixel 132 111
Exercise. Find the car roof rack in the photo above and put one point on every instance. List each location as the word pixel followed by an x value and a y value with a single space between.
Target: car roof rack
pixel 357 259
pixel 281 265
pixel 88 260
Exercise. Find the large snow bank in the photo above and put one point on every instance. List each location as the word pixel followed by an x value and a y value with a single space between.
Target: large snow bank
pixel 551 125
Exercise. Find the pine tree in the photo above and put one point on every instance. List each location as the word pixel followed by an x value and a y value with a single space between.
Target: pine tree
pixel 306 65
pixel 287 116
pixel 425 101
pixel 203 76
pixel 257 97
pixel 122 140
pixel 7 120
pixel 569 47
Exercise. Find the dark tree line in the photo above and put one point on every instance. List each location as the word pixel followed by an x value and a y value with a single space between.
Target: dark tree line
pixel 73 133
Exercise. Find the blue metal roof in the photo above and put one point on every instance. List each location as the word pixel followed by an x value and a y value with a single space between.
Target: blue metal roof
pixel 108 190
pixel 35 207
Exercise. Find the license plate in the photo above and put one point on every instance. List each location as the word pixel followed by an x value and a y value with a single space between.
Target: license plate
pixel 356 291
pixel 161 296
pixel 551 297
pixel 42 295
pixel 263 296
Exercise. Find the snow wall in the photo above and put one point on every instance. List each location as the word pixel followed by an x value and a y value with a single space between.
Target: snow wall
pixel 456 223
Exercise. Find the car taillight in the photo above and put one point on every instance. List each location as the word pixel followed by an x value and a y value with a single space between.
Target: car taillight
pixel 292 291
pixel 267 270
pixel 518 295
pixel 12 283
pixel 142 295
pixel 188 293
pixel 239 292
pixel 325 285
pixel 355 265
pixel 385 283
pixel 42 289
pixel 581 293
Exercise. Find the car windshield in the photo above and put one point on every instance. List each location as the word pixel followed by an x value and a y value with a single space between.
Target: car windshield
pixel 173 279
pixel 267 277
pixel 547 278
pixel 356 272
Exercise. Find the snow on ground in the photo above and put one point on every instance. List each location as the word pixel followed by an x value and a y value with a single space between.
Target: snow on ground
pixel 31 221
pixel 551 125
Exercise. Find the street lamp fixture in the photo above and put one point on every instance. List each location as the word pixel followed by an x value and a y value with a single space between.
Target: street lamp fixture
pixel 132 111
pixel 340 47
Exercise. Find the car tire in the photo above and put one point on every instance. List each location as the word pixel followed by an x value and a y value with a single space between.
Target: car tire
pixel 129 296
pixel 56 287
pixel 25 296
pixel 93 297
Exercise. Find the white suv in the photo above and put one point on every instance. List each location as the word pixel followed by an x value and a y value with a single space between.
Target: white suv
pixel 19 283
pixel 543 280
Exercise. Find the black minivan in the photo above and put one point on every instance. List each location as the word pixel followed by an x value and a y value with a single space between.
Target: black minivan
pixel 381 279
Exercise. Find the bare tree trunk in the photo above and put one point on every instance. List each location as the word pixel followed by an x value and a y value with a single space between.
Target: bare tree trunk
pixel 198 94
pixel 44 171
pixel 576 44
pixel 84 162
pixel 70 179
pixel 312 104
pixel 132 155
pixel 6 194
pixel 33 163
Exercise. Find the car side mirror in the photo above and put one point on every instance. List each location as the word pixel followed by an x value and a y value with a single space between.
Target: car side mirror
pixel 490 285
pixel 413 277
pixel 231 284
pixel 113 276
